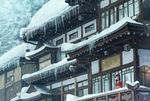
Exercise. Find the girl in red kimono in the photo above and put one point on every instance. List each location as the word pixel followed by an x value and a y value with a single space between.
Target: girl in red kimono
pixel 118 85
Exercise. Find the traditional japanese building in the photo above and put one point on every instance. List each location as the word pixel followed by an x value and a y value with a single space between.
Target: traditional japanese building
pixel 102 39
pixel 13 66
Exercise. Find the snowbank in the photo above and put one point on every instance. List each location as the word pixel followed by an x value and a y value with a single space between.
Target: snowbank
pixel 68 47
pixel 16 52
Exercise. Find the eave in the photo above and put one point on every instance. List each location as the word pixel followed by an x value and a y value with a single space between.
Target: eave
pixel 129 30
pixel 41 51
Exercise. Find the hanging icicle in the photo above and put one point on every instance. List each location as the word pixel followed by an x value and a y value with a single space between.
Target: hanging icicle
pixel 55 21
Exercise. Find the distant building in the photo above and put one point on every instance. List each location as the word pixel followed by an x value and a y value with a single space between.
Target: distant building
pixel 12 66
pixel 103 38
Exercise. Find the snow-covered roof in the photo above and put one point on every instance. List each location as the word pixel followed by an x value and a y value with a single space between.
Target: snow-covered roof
pixel 49 12
pixel 69 47
pixel 24 95
pixel 31 53
pixel 49 68
pixel 14 53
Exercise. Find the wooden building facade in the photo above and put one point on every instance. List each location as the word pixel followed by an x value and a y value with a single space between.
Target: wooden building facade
pixel 121 47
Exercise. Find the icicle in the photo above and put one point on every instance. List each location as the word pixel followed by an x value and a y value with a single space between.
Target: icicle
pixel 55 25
pixel 62 19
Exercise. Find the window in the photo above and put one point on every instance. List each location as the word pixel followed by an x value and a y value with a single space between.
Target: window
pixel 60 41
pixel 144 57
pixel 113 1
pixel 89 28
pixel 110 62
pixel 120 12
pixel 127 56
pixel 128 75
pixel 125 9
pixel 105 20
pixel 113 15
pixel 95 66
pixel 130 4
pixel 97 85
pixel 136 7
pixel 9 78
pixel 113 76
pixel 105 82
pixel 73 35
pixel 83 83
pixel 104 3
pixel 44 61
pixel 83 92
pixel 82 88
pixel 68 89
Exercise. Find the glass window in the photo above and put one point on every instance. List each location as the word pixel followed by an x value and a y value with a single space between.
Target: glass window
pixel 136 7
pixel 73 35
pixel 83 92
pixel 105 83
pixel 113 78
pixel 89 28
pixel 104 3
pixel 130 4
pixel 110 62
pixel 113 1
pixel 97 85
pixel 128 75
pixel 120 12
pixel 60 41
pixel 95 66
pixel 105 20
pixel 113 16
pixel 82 88
pixel 125 9
pixel 144 57
pixel 127 56
pixel 69 89
pixel 83 83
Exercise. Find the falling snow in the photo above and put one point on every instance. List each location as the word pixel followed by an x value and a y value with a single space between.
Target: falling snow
pixel 14 14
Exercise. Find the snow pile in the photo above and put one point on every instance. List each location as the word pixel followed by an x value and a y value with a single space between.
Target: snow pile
pixel 113 28
pixel 16 52
pixel 71 97
pixel 50 67
pixel 30 96
pixel 133 86
pixel 31 53
pixel 47 13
